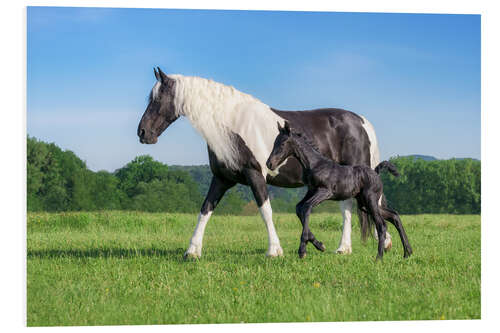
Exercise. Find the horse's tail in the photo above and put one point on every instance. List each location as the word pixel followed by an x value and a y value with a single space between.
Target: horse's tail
pixel 366 223
pixel 386 165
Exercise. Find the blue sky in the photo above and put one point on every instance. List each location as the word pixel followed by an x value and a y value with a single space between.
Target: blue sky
pixel 416 77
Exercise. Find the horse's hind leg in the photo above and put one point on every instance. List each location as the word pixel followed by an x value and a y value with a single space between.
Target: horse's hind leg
pixel 217 189
pixel 345 246
pixel 393 217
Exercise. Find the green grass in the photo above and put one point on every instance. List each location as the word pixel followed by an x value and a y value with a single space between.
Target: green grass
pixel 113 268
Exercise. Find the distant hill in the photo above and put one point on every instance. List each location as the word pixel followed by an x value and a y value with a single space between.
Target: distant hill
pixel 422 157
pixel 284 199
pixel 203 175
pixel 432 158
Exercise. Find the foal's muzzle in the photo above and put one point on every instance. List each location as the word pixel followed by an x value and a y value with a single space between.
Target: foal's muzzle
pixel 270 165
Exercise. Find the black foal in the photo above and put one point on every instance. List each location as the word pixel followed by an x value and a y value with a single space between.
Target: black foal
pixel 328 180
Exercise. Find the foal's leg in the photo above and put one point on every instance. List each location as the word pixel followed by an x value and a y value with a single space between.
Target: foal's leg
pixel 388 239
pixel 393 217
pixel 312 199
pixel 381 227
pixel 259 188
pixel 302 214
pixel 217 189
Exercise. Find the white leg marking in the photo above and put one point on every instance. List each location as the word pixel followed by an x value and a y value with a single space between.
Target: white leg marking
pixel 345 242
pixel 266 212
pixel 388 241
pixel 194 250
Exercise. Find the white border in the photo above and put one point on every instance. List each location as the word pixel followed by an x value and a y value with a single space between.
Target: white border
pixel 13 138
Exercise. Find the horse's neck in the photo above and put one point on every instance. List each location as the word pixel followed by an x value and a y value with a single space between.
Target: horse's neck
pixel 198 95
pixel 307 155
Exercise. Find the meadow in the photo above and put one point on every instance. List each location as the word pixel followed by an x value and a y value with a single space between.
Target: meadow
pixel 115 267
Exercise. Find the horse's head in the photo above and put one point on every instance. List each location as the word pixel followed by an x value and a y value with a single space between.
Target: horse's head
pixel 160 112
pixel 282 148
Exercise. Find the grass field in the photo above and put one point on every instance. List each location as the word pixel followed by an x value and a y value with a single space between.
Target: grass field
pixel 114 268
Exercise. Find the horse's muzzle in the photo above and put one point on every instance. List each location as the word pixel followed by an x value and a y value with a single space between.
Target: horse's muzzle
pixel 147 138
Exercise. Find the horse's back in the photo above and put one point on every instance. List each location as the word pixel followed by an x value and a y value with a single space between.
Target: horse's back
pixel 339 134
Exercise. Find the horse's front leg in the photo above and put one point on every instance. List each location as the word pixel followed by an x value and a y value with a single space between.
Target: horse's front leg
pixel 217 189
pixel 259 189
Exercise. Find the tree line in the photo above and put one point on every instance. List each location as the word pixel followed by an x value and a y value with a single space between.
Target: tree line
pixel 440 186
pixel 59 180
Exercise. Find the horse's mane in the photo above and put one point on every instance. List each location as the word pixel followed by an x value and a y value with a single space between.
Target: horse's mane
pixel 217 111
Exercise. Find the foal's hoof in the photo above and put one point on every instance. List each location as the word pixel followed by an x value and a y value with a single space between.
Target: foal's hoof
pixel 320 246
pixel 302 255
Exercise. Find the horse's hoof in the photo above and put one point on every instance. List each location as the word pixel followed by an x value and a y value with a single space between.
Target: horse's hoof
pixel 302 255
pixel 191 256
pixel 387 244
pixel 274 251
pixel 344 250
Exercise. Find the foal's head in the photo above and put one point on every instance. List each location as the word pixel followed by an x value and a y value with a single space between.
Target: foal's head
pixel 283 146
pixel 160 112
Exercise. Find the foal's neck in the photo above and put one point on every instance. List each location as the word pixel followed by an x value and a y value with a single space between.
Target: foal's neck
pixel 308 156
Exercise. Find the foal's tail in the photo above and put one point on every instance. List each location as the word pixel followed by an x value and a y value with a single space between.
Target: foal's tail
pixel 386 165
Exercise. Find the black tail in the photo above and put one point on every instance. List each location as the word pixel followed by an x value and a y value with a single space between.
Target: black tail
pixel 386 165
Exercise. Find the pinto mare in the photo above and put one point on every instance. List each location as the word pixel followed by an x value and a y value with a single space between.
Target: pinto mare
pixel 240 131
pixel 328 180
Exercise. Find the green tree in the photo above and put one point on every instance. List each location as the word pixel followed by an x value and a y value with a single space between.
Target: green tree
pixel 141 169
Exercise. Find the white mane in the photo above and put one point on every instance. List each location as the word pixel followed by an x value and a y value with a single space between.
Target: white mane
pixel 216 110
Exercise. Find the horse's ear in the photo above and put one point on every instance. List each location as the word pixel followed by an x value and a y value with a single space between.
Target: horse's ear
pixel 287 127
pixel 157 76
pixel 280 129
pixel 163 76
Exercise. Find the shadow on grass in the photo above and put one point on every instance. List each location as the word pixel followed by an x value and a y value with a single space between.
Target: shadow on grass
pixel 174 254
pixel 171 254
pixel 243 252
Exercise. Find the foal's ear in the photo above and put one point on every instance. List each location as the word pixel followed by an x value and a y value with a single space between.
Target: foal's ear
pixel 280 129
pixel 157 76
pixel 287 127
